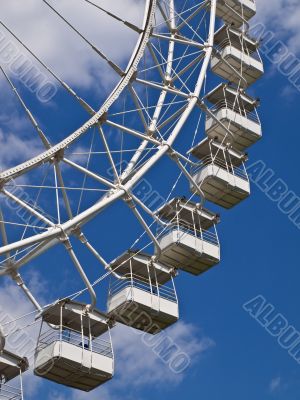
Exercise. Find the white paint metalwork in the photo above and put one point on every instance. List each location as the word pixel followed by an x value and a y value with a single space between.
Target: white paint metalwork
pixel 143 303
pixel 73 351
pixel 236 11
pixel 158 92
pixel 221 174
pixel 238 113
pixel 11 367
pixel 190 241
pixel 236 56
pixel 51 236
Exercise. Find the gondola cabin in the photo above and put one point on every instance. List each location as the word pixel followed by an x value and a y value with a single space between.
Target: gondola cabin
pixel 74 347
pixel 189 241
pixel 236 12
pixel 11 368
pixel 220 174
pixel 235 111
pixel 142 294
pixel 236 57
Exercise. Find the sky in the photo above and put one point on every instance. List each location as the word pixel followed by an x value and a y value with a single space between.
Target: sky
pixel 232 355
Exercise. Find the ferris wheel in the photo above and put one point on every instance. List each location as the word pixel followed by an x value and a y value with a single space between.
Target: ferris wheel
pixel 121 170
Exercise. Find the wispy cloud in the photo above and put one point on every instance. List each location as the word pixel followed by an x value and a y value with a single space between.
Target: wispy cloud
pixel 138 364
pixel 283 16
pixel 275 384
pixel 65 53
pixel 137 358
pixel 134 356
pixel 14 149
pixel 22 335
pixel 61 48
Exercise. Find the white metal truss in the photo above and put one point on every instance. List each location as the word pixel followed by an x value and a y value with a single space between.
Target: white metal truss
pixel 154 121
pixel 159 100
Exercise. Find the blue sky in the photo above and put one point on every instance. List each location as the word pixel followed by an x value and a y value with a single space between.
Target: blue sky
pixel 232 355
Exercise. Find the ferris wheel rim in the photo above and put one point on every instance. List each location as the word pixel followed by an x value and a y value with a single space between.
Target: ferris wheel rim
pixel 53 233
pixel 180 222
pixel 20 169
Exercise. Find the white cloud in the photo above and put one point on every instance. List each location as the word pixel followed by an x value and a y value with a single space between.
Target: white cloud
pixel 62 49
pixel 138 366
pixel 65 53
pixel 282 16
pixel 138 357
pixel 21 340
pixel 14 149
pixel 275 384
pixel 75 63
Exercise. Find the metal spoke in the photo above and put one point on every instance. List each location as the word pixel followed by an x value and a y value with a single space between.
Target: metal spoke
pixel 114 16
pixel 89 173
pixel 100 53
pixel 41 134
pixel 180 40
pixel 27 207
pixel 3 232
pixel 161 87
pixel 133 132
pixel 55 76
pixel 109 155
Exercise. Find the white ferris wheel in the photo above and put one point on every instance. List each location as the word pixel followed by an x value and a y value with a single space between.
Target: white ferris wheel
pixel 122 197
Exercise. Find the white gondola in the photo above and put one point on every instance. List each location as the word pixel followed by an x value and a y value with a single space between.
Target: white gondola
pixel 70 350
pixel 237 112
pixel 11 367
pixel 236 12
pixel 221 173
pixel 236 58
pixel 143 296
pixel 190 241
